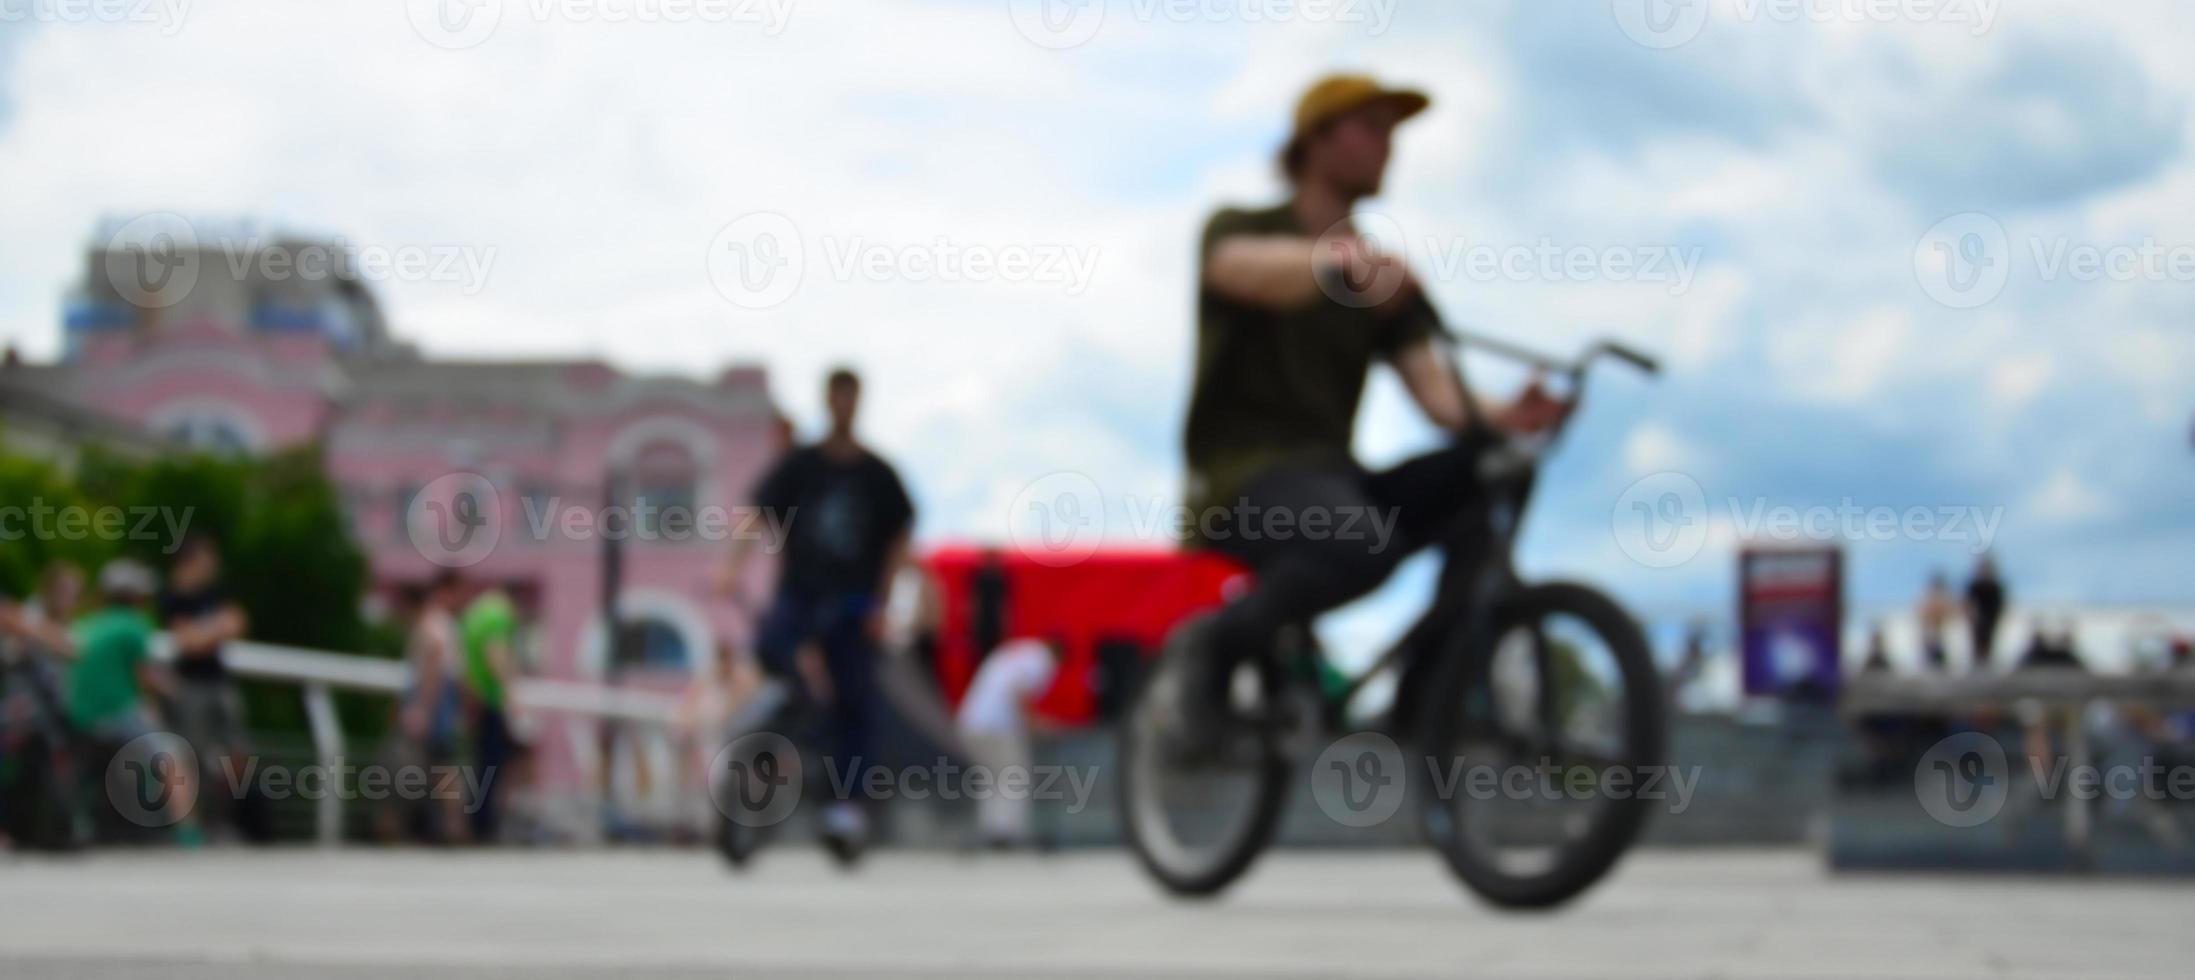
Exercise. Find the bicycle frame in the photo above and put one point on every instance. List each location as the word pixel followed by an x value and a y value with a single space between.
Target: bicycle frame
pixel 1480 542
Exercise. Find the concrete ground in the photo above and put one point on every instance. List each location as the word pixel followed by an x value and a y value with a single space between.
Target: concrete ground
pixel 1375 913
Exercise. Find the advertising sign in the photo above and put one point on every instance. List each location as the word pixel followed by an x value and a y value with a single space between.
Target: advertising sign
pixel 1790 616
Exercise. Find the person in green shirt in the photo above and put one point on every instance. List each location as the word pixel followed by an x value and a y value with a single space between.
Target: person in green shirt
pixel 113 667
pixel 1294 306
pixel 488 632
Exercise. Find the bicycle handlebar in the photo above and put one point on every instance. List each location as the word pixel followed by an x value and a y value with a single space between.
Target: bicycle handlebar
pixel 1547 362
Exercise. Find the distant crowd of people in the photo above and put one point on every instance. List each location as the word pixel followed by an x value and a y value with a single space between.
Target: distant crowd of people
pixel 84 677
pixel 82 682
pixel 1979 613
pixel 83 673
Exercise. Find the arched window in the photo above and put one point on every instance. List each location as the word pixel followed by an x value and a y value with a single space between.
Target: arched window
pixel 660 645
pixel 207 426
pixel 665 490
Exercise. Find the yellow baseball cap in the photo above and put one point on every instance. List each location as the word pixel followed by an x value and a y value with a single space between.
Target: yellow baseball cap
pixel 1336 95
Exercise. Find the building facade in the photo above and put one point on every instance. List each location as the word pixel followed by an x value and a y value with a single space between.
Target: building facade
pixel 216 362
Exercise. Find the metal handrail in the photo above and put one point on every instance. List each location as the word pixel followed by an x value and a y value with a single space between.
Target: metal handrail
pixel 321 673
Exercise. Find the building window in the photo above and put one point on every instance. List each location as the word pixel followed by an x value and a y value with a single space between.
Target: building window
pixel 402 516
pixel 661 646
pixel 207 426
pixel 664 491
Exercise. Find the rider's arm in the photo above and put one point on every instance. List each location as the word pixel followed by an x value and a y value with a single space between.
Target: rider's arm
pixel 1439 392
pixel 1431 382
pixel 773 503
pixel 1273 272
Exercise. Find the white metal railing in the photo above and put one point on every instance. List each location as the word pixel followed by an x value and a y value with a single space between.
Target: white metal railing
pixel 321 673
pixel 2072 691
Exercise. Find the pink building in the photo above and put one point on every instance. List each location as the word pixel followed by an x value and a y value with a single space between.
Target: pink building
pixel 252 365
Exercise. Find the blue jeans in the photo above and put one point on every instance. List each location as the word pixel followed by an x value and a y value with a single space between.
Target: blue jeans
pixel 838 624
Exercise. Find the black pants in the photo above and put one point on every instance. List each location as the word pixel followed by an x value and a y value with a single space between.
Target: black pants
pixel 492 750
pixel 837 623
pixel 1318 536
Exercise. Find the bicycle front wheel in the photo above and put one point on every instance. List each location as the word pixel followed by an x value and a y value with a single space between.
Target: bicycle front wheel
pixel 1544 736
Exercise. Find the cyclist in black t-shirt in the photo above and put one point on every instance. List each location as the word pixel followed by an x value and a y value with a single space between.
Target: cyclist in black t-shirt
pixel 845 518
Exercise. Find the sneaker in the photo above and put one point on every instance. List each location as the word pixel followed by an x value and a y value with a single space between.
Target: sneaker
pixel 845 832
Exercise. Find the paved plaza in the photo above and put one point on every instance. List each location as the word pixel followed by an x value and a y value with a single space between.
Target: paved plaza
pixel 1372 913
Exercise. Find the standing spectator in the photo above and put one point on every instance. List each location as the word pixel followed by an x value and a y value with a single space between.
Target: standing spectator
pixel 1984 609
pixel 201 620
pixel 113 673
pixel 489 630
pixel 40 631
pixel 1934 615
pixel 35 647
pixel 995 722
pixel 845 518
pixel 1877 660
pixel 427 712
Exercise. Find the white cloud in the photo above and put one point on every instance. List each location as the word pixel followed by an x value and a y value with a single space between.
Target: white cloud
pixel 2065 498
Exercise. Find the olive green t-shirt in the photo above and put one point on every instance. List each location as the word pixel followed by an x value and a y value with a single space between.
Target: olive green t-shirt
pixel 1276 388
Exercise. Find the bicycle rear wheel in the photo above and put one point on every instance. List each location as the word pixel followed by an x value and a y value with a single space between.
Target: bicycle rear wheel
pixel 1540 735
pixel 1198 815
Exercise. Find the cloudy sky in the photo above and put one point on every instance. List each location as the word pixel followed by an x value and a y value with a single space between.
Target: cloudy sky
pixel 1937 263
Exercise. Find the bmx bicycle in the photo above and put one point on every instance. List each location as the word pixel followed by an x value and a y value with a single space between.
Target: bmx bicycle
pixel 1497 674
